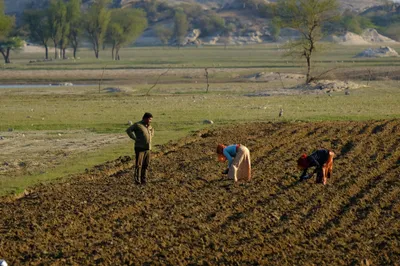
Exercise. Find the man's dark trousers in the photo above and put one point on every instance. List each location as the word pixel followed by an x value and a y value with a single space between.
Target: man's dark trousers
pixel 141 163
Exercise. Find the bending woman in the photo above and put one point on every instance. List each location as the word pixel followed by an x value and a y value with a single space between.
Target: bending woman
pixel 238 156
pixel 322 160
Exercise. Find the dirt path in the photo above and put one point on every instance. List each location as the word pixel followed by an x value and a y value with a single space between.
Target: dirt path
pixel 138 75
pixel 188 214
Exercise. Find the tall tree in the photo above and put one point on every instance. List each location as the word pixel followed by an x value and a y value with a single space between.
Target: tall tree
pixel 64 27
pixel 38 28
pixel 275 28
pixel 125 26
pixel 164 33
pixel 226 33
pixel 9 44
pixel 58 28
pixel 308 17
pixel 181 27
pixel 96 23
pixel 8 41
pixel 75 23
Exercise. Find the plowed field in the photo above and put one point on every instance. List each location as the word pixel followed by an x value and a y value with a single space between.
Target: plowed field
pixel 189 214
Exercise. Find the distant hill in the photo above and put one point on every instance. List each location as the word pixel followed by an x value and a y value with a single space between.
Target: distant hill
pixel 18 6
pixel 359 5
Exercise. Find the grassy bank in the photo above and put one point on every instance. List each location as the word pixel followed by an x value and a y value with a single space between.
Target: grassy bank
pixel 180 107
pixel 264 55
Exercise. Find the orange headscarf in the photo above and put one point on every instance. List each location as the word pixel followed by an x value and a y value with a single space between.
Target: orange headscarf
pixel 302 161
pixel 220 152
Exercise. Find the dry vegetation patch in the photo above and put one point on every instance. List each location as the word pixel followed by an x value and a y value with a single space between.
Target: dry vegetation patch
pixel 328 86
pixel 284 85
pixel 275 76
pixel 33 151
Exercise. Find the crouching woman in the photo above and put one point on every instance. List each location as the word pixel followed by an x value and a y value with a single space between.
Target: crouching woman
pixel 239 163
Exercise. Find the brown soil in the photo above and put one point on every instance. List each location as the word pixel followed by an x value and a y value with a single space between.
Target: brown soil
pixel 189 214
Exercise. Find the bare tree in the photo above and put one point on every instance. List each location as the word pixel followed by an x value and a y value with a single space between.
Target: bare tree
pixel 307 17
pixel 206 75
pixel 280 78
pixel 369 70
pixel 155 84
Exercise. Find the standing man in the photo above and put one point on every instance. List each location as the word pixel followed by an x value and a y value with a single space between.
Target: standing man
pixel 142 133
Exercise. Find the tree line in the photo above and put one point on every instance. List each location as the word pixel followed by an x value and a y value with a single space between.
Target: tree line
pixel 64 24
